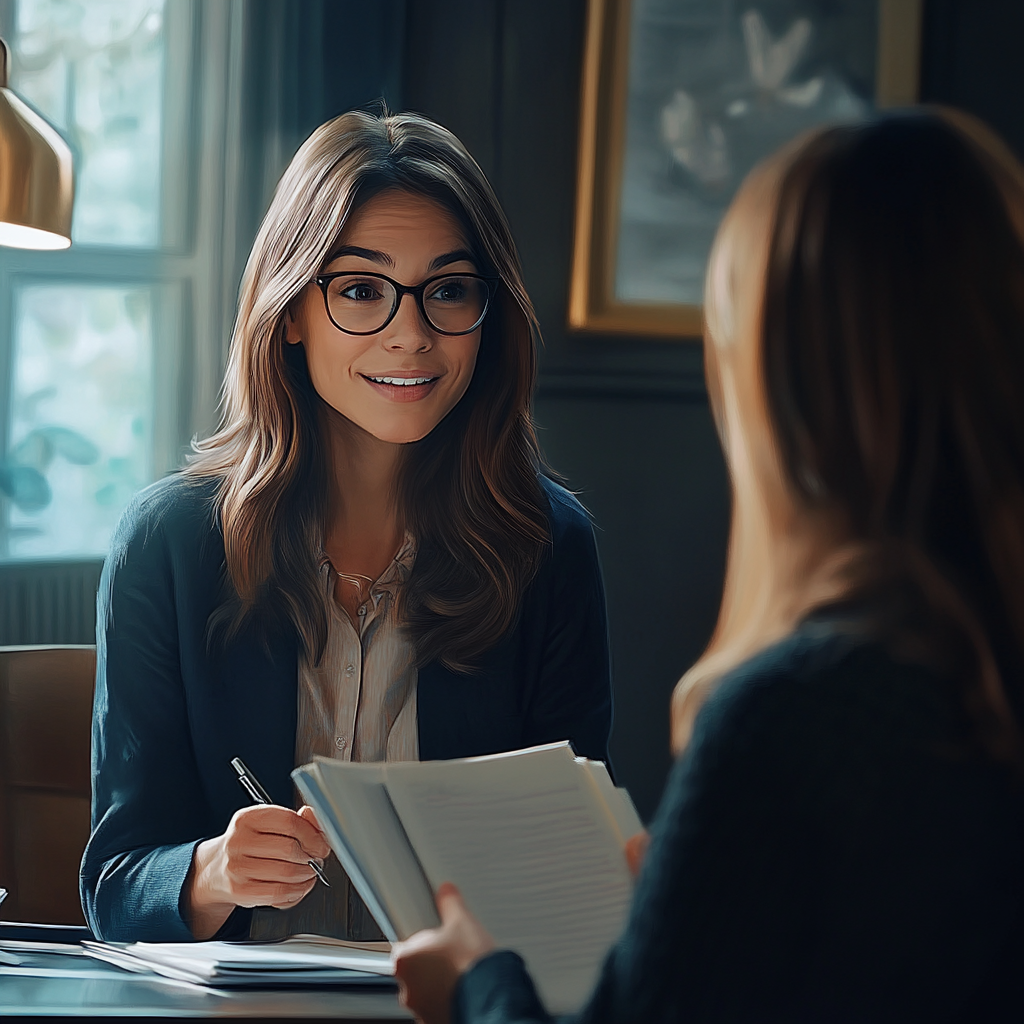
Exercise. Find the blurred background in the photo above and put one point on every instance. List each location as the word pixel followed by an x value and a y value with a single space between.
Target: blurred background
pixel 182 115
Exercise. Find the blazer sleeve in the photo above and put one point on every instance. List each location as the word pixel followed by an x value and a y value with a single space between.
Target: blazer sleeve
pixel 573 695
pixel 148 804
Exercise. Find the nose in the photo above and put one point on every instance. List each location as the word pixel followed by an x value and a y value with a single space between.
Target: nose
pixel 408 331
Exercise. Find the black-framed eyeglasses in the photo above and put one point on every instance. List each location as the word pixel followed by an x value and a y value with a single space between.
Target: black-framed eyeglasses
pixel 362 303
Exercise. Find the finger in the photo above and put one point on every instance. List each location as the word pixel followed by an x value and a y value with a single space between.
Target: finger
pixel 272 893
pixel 312 839
pixel 636 850
pixel 266 869
pixel 266 845
pixel 427 981
pixel 266 818
pixel 269 894
pixel 307 812
pixel 449 902
pixel 308 834
pixel 427 939
pixel 293 899
pixel 274 820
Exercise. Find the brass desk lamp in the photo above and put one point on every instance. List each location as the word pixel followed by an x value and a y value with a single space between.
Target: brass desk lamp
pixel 36 182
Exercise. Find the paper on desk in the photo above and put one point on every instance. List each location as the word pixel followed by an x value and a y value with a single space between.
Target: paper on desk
pixel 29 946
pixel 299 961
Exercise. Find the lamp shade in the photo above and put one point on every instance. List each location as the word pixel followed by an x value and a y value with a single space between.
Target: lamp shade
pixel 36 181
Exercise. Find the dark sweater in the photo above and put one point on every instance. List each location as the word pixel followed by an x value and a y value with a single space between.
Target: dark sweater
pixel 830 847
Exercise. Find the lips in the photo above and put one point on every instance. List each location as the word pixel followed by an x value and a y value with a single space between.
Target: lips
pixel 404 388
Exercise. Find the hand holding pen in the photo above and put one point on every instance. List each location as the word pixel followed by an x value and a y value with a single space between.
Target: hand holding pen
pixel 259 795
pixel 261 860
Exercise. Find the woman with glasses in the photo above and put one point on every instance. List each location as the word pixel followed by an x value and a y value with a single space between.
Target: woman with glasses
pixel 365 562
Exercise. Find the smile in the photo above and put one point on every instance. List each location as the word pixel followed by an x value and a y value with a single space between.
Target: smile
pixel 402 389
pixel 401 381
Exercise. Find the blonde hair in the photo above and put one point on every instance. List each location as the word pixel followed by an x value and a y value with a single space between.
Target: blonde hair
pixel 759 603
pixel 855 414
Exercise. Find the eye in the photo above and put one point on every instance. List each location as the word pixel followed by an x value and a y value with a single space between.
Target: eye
pixel 360 291
pixel 451 289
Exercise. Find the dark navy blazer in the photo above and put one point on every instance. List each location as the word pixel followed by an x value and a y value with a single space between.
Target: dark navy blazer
pixel 172 709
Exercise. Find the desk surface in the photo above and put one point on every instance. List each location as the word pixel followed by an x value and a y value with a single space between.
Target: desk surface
pixel 64 984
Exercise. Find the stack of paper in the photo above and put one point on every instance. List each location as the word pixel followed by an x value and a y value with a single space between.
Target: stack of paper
pixel 300 961
pixel 534 839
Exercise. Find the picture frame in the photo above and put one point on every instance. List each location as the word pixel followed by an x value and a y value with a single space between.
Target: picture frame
pixel 697 175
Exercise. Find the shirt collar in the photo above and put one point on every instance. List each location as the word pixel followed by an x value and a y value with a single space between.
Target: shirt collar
pixel 391 579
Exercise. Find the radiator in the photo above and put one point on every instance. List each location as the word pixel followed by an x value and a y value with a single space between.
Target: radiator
pixel 48 602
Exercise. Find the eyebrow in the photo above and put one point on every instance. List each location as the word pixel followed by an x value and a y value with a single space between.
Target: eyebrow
pixel 373 255
pixel 384 260
pixel 455 256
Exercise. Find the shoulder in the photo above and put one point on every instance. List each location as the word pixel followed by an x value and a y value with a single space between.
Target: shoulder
pixel 815 668
pixel 167 546
pixel 178 513
pixel 569 520
pixel 825 695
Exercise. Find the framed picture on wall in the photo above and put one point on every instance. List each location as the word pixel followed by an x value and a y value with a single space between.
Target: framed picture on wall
pixel 680 99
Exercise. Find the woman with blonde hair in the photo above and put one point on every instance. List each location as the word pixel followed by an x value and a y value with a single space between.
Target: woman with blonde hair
pixel 842 836
pixel 366 561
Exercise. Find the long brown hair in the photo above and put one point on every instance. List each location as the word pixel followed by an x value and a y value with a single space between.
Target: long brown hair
pixel 889 341
pixel 469 490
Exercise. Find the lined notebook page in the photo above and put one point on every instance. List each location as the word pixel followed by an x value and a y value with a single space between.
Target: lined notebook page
pixel 534 850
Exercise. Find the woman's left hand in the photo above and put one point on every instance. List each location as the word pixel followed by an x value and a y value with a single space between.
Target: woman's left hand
pixel 429 964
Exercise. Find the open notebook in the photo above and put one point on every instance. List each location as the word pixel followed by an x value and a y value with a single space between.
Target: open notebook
pixel 534 839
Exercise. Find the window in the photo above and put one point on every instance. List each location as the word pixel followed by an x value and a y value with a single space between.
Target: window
pixel 97 360
pixel 80 417
pixel 96 71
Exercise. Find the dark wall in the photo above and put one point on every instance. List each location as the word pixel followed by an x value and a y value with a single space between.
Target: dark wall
pixel 971 59
pixel 624 419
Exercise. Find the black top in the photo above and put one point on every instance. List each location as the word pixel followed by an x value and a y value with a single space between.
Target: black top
pixel 174 705
pixel 830 847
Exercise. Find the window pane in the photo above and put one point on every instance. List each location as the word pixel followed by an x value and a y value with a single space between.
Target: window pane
pixel 81 421
pixel 96 71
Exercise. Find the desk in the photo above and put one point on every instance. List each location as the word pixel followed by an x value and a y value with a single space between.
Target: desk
pixel 59 984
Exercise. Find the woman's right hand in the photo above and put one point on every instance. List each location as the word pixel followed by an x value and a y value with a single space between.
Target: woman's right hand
pixel 261 860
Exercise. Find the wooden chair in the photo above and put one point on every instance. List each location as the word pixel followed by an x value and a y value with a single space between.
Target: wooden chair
pixel 45 717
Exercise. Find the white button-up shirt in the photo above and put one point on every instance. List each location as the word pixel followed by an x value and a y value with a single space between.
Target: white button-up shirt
pixel 359 703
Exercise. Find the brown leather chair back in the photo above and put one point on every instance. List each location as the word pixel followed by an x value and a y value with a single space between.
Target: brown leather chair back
pixel 45 716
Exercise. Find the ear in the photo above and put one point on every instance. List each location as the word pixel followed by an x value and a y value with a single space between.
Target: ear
pixel 292 332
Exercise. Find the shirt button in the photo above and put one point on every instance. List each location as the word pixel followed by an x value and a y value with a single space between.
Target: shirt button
pixel 362 609
pixel 349 669
pixel 340 742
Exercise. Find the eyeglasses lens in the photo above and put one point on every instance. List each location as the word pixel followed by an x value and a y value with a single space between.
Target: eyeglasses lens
pixel 362 304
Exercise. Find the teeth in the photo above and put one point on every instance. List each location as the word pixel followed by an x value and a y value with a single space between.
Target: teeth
pixel 403 381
